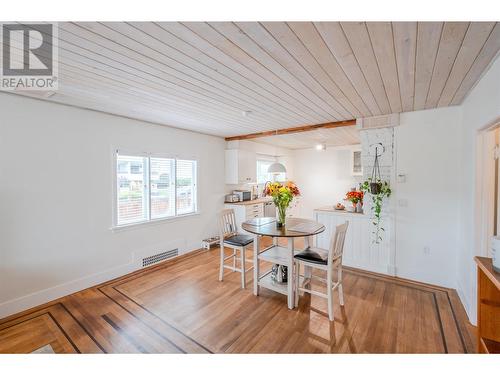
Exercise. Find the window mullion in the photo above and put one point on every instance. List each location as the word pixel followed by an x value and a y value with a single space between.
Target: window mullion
pixel 175 187
pixel 147 187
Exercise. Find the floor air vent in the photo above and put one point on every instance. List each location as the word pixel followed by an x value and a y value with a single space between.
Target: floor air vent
pixel 153 259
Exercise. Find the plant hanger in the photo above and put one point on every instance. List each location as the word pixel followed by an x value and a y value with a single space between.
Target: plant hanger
pixel 379 190
pixel 375 184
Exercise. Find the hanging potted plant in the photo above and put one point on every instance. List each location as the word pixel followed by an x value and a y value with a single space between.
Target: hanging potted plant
pixel 378 189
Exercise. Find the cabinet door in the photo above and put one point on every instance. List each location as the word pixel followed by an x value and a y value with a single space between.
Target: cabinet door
pixel 247 166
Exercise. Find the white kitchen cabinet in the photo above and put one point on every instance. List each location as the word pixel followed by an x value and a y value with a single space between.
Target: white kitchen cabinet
pixel 244 212
pixel 241 167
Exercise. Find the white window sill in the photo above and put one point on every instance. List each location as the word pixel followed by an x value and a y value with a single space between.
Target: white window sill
pixel 131 226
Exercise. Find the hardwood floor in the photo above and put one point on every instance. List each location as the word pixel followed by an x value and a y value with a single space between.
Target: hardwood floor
pixel 181 307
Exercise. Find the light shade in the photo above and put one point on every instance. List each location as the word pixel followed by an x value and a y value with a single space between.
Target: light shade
pixel 276 168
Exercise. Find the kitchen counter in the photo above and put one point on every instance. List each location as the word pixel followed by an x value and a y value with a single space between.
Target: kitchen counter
pixel 254 201
pixel 332 209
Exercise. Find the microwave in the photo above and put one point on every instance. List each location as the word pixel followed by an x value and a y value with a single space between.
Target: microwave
pixel 243 195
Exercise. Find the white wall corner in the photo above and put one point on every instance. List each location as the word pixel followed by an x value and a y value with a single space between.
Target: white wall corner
pixel 470 309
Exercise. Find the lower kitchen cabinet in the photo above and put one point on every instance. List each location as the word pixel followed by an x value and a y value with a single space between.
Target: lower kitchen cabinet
pixel 244 212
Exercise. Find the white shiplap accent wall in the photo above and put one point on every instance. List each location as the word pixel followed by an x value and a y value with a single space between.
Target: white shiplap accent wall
pixel 359 251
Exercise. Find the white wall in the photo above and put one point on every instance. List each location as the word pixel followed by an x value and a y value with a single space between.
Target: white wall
pixel 479 110
pixel 428 154
pixel 323 177
pixel 56 198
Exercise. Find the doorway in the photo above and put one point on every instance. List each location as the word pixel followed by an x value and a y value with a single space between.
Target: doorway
pixel 488 199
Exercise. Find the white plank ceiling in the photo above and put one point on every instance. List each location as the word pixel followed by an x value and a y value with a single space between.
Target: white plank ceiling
pixel 348 135
pixel 203 76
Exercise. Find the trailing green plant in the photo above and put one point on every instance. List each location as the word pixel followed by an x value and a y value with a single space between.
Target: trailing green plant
pixel 378 190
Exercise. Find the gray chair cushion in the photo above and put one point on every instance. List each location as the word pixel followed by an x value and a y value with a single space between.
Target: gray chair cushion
pixel 313 255
pixel 239 240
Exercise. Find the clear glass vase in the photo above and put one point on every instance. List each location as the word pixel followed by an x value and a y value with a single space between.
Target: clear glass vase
pixel 281 215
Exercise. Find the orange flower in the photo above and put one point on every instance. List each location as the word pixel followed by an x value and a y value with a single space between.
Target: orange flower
pixel 354 196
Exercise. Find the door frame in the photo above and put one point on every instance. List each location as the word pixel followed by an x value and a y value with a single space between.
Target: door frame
pixel 485 187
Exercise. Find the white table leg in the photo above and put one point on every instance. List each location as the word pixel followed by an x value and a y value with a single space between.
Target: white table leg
pixel 256 275
pixel 290 281
pixel 307 269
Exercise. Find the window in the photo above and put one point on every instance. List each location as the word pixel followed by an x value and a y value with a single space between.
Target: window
pixel 263 176
pixel 151 188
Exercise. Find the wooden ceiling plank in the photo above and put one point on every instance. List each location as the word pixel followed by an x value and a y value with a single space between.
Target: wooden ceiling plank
pixel 199 48
pixel 337 43
pixel 201 77
pixel 360 43
pixel 281 56
pixel 306 62
pixel 383 46
pixel 428 37
pixel 233 42
pixel 93 87
pixel 223 77
pixel 474 40
pixel 180 93
pixel 149 61
pixel 307 32
pixel 451 39
pixel 79 70
pixel 490 50
pixel 297 129
pixel 330 137
pixel 405 41
pixel 163 119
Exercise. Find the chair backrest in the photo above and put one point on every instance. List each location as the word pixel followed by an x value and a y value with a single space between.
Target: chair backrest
pixel 337 244
pixel 227 223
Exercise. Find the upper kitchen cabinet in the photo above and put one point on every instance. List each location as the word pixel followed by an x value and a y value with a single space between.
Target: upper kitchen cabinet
pixel 240 167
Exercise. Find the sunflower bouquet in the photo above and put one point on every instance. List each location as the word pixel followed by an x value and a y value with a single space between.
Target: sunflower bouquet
pixel 282 195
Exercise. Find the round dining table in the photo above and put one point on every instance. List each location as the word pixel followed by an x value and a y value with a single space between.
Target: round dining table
pixel 276 254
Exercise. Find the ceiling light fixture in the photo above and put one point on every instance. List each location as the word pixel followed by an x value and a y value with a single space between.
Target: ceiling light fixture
pixel 276 168
pixel 320 147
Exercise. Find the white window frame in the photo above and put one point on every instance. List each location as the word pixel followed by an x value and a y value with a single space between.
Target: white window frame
pixel 115 226
pixel 267 158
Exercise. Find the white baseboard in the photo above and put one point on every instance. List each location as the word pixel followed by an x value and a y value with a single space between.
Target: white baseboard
pixel 46 295
pixel 367 267
pixel 469 309
pixel 40 297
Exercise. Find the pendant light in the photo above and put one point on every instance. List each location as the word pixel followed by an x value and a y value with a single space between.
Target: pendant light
pixel 276 168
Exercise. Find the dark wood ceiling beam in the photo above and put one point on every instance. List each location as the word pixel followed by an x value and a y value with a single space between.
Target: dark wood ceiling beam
pixel 298 129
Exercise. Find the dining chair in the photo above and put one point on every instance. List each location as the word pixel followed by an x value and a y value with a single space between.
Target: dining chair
pixel 327 260
pixel 229 237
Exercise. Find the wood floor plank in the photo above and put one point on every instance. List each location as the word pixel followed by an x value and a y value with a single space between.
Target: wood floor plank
pixel 181 307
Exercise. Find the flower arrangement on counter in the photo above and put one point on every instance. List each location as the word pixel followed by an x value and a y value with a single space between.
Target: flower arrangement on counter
pixel 354 197
pixel 282 195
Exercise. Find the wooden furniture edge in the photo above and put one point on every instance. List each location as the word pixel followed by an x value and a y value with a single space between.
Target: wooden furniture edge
pixel 488 270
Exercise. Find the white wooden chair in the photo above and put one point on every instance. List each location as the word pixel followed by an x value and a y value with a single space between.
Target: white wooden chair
pixel 327 260
pixel 229 237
